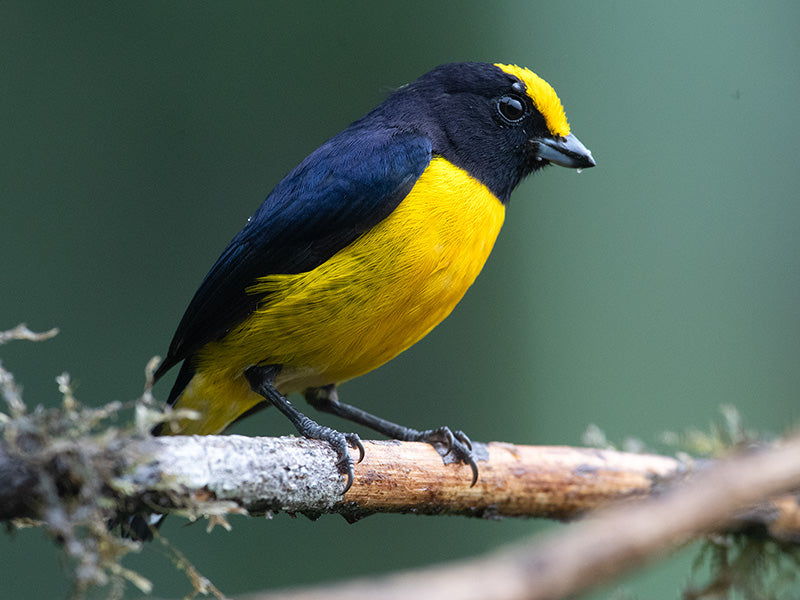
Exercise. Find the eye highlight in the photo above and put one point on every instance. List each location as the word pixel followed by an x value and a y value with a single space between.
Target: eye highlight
pixel 511 108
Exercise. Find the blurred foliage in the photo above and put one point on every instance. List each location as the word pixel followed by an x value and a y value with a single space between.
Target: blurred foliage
pixel 745 567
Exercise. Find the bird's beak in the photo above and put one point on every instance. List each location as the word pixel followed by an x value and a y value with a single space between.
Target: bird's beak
pixel 563 151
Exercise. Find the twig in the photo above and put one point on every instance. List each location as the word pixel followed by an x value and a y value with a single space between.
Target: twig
pixel 21 332
pixel 9 390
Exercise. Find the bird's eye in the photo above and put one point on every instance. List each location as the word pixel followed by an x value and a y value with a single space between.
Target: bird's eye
pixel 511 108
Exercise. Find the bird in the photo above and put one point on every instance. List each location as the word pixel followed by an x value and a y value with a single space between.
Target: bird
pixel 361 250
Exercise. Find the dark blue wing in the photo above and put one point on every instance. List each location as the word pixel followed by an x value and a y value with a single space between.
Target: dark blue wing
pixel 344 188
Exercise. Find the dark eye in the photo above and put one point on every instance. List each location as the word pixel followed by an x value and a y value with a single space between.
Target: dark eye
pixel 511 108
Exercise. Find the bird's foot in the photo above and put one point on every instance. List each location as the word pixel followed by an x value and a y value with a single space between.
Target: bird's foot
pixel 261 380
pixel 453 444
pixel 340 442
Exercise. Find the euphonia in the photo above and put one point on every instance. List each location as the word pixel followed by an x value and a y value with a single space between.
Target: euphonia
pixel 362 249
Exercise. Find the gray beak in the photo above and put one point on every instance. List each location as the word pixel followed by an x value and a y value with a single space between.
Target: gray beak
pixel 564 151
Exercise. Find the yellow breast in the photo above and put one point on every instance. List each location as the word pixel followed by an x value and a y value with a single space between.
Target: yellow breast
pixel 367 303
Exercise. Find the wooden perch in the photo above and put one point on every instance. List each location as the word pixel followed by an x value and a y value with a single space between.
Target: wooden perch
pixel 215 475
pixel 298 475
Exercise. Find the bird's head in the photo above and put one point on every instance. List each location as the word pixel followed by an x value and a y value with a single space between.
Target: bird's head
pixel 498 122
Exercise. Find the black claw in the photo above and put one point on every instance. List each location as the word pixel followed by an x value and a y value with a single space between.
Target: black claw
pixel 462 451
pixel 345 466
pixel 442 436
pixel 355 442
pixel 339 442
pixel 463 438
pixel 474 466
pixel 450 440
pixel 456 444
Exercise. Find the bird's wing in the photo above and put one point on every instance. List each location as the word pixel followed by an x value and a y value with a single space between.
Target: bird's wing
pixel 338 192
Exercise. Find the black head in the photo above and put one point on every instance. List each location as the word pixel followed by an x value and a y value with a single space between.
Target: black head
pixel 498 122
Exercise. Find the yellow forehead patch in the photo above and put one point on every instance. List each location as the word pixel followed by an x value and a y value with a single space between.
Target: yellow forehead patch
pixel 543 96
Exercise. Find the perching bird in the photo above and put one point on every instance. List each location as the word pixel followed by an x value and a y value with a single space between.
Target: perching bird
pixel 363 248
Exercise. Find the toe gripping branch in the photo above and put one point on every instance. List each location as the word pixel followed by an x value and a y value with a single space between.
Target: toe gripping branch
pixel 261 382
pixel 447 442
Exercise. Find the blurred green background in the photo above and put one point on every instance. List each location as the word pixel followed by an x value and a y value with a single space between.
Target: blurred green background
pixel 640 295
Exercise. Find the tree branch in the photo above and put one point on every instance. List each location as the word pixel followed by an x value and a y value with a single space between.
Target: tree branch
pixel 299 476
pixel 215 475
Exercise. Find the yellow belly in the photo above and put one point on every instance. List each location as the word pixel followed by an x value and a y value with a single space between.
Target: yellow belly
pixel 363 306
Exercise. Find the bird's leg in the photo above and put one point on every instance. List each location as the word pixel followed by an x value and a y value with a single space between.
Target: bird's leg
pixel 455 443
pixel 261 379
